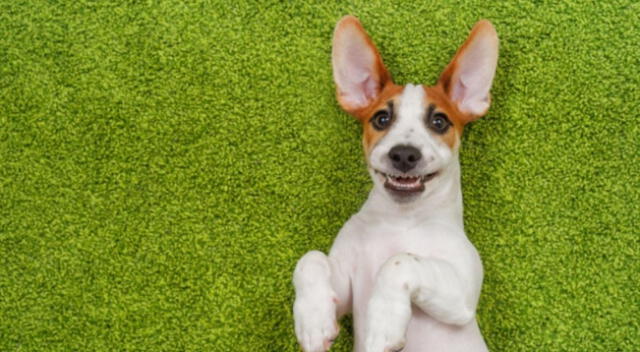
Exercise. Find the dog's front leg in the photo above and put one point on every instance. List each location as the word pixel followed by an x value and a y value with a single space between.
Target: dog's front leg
pixel 434 285
pixel 323 294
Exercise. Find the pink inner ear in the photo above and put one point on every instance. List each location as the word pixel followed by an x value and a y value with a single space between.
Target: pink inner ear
pixel 355 81
pixel 360 94
pixel 354 69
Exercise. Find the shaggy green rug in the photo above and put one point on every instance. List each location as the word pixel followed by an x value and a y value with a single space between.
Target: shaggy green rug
pixel 165 164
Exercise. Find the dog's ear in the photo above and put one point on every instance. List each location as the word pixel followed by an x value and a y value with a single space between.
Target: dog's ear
pixel 467 79
pixel 358 70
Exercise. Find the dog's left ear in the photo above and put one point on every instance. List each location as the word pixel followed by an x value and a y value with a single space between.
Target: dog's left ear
pixel 467 79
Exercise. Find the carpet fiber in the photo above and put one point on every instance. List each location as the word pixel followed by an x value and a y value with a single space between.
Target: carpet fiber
pixel 165 164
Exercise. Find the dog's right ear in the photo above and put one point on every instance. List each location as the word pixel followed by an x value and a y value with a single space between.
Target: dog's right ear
pixel 358 70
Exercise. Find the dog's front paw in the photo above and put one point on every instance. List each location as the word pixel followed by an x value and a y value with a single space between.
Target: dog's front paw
pixel 387 322
pixel 315 321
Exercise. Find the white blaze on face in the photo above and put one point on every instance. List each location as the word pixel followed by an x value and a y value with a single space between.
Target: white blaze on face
pixel 409 128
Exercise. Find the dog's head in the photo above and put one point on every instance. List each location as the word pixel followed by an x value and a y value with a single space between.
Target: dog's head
pixel 412 132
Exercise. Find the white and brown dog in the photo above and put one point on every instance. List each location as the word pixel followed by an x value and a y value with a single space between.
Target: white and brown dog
pixel 403 264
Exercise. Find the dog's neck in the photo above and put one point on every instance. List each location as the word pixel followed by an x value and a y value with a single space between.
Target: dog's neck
pixel 443 202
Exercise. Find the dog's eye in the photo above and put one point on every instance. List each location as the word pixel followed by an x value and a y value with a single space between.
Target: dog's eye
pixel 439 123
pixel 381 120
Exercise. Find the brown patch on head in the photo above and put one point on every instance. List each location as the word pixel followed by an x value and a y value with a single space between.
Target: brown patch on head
pixel 370 135
pixel 436 96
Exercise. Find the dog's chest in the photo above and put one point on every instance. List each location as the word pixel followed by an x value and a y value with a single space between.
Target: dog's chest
pixel 375 242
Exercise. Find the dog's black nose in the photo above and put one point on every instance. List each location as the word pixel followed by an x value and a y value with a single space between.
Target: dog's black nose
pixel 404 157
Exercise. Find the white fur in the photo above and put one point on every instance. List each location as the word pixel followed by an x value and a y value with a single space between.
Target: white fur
pixel 392 254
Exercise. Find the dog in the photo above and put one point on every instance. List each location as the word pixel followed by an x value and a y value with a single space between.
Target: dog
pixel 402 265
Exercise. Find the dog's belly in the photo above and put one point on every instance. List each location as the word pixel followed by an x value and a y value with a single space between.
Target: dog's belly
pixel 424 334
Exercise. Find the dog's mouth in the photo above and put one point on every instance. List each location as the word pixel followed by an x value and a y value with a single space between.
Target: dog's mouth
pixel 406 184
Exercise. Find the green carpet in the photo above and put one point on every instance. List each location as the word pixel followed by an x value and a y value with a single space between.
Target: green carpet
pixel 165 164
